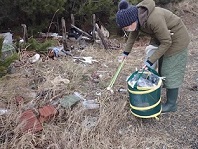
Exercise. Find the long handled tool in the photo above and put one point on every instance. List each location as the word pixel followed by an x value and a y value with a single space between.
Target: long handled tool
pixel 115 76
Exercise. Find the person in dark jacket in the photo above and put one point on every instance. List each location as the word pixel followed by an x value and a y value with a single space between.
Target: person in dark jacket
pixel 168 33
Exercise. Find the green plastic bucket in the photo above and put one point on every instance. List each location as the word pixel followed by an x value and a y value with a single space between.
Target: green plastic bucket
pixel 145 102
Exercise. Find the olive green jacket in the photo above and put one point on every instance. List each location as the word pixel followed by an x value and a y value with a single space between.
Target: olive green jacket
pixel 159 23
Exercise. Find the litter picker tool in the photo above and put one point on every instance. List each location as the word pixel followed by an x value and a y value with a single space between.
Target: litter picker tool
pixel 115 76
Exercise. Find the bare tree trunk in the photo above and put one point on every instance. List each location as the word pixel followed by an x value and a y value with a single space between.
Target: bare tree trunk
pixel 64 34
pixel 72 19
pixel 100 34
pixel 94 27
pixel 25 34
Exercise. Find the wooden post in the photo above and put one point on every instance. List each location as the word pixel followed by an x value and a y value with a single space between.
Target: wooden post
pixel 94 27
pixel 72 19
pixel 58 27
pixel 25 34
pixel 100 34
pixel 64 34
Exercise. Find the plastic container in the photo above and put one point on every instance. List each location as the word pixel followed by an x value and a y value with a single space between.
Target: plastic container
pixel 145 102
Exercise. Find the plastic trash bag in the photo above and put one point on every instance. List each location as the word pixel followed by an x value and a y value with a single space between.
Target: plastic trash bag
pixel 146 79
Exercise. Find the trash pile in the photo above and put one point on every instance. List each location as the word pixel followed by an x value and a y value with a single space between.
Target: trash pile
pixel 144 79
pixel 47 95
pixel 32 117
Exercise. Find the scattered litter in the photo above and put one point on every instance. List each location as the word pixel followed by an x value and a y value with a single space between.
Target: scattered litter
pixel 88 104
pixel 144 80
pixel 98 93
pixel 102 73
pixel 58 80
pixel 73 32
pixel 100 76
pixel 122 90
pixel 57 52
pixel 35 58
pixel 96 80
pixel 87 60
pixel 69 100
pixel 52 35
pixel 4 111
pixel 77 94
pixel 21 41
pixel 91 104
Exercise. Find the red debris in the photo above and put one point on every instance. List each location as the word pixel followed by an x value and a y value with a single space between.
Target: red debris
pixel 19 99
pixel 30 122
pixel 46 113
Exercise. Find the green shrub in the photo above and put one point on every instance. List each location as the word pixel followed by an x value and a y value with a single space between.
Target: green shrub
pixel 39 47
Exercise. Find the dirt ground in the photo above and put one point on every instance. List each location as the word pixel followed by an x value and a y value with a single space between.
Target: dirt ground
pixel 110 126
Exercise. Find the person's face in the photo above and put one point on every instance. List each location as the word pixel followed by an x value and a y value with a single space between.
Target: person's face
pixel 131 27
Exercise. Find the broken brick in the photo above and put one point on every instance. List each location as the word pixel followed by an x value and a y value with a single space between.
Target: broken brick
pixel 30 122
pixel 46 113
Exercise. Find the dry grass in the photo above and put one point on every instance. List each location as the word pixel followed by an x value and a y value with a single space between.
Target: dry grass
pixel 110 126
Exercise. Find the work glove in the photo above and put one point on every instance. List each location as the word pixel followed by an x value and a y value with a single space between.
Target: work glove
pixel 147 64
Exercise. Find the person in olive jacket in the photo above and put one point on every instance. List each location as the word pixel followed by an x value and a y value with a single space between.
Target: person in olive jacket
pixel 168 33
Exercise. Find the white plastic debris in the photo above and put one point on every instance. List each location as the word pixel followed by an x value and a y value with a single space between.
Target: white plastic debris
pixel 35 58
pixel 21 41
pixel 3 111
pixel 58 80
pixel 7 38
pixel 105 65
pixel 88 104
pixel 54 35
pixel 80 96
pixel 98 93
pixel 122 90
pixel 87 60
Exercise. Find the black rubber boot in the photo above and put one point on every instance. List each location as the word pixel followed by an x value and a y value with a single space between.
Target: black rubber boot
pixel 170 105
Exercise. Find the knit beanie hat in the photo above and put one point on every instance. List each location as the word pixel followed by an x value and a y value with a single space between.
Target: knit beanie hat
pixel 127 14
